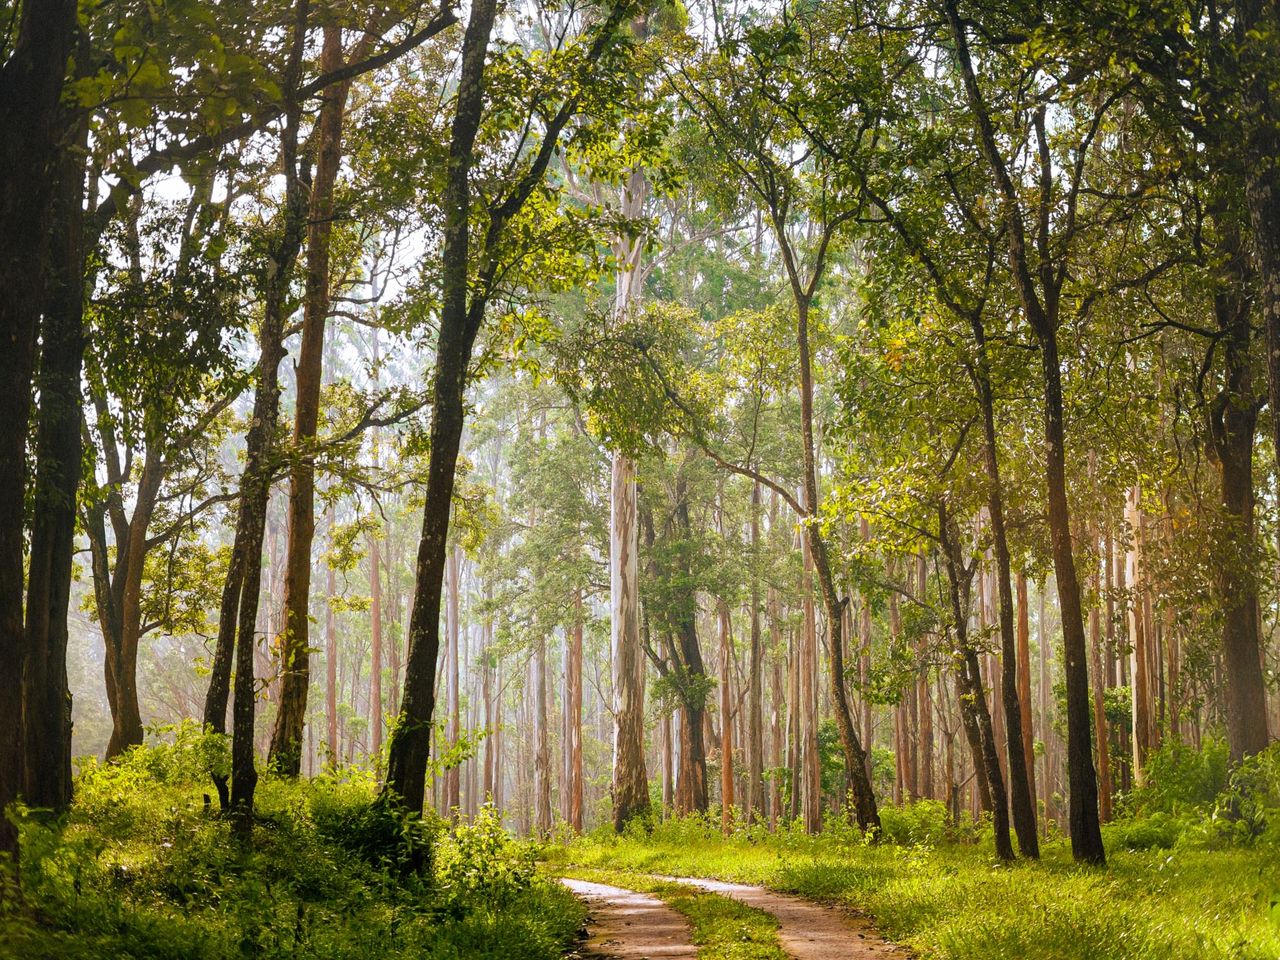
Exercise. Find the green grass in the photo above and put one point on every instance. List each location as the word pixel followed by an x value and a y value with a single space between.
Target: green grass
pixel 141 871
pixel 953 901
pixel 723 928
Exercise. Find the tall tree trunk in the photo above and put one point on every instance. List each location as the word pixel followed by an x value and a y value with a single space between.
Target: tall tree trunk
pixel 630 780
pixel 1232 424
pixel 855 757
pixel 973 700
pixel 542 746
pixel 31 82
pixel 238 610
pixel 755 804
pixel 1023 804
pixel 1139 672
pixel 809 785
pixel 726 719
pixel 1024 685
pixel 294 641
pixel 1099 699
pixel 573 705
pixel 46 714
pixel 1042 316
pixel 331 650
pixel 459 323
pixel 452 576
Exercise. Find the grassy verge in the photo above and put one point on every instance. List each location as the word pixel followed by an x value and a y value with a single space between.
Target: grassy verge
pixel 140 870
pixel 723 928
pixel 951 901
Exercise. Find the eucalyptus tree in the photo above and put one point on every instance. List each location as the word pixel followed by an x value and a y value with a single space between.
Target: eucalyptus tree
pixel 515 232
pixel 32 77
pixel 1040 246
pixel 809 206
pixel 927 222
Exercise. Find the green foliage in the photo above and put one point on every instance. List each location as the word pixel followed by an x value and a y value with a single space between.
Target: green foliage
pixel 923 823
pixel 142 870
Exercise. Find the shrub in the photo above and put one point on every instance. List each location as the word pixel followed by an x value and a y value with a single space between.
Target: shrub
pixel 923 823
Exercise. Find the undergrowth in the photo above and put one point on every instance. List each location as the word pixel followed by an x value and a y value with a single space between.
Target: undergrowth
pixel 141 869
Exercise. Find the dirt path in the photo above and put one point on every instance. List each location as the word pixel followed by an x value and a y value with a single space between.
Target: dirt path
pixel 808 930
pixel 625 925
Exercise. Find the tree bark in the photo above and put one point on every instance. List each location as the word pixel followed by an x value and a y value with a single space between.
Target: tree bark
pixel 294 642
pixel 755 804
pixel 973 699
pixel 31 82
pixel 1086 836
pixel 1023 804
pixel 459 324
pixel 573 704
pixel 46 714
pixel 1232 424
pixel 726 721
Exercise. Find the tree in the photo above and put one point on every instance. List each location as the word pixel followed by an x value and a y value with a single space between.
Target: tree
pixel 463 304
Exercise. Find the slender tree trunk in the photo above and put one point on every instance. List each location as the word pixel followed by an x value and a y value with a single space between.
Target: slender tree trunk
pixel 1024 685
pixel 331 652
pixel 855 758
pixel 1099 701
pixel 973 700
pixel 726 720
pixel 630 779
pixel 31 82
pixel 294 641
pixel 46 714
pixel 1233 422
pixel 1023 803
pixel 807 706
pixel 1137 640
pixel 1042 316
pixel 542 747
pixel 452 576
pixel 573 697
pixel 755 804
pixel 459 324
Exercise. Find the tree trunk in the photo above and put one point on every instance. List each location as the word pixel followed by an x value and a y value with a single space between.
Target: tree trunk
pixel 31 82
pixel 973 700
pixel 1141 686
pixel 573 698
pixel 1233 421
pixel 459 324
pixel 1023 804
pixel 1042 316
pixel 331 651
pixel 452 576
pixel 630 780
pixel 755 689
pixel 726 719
pixel 1099 700
pixel 46 699
pixel 855 758
pixel 294 641
pixel 1024 686
pixel 542 746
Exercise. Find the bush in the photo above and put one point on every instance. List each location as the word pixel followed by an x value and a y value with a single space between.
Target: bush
pixel 923 823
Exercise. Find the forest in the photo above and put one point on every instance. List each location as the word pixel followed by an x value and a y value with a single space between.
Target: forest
pixel 733 479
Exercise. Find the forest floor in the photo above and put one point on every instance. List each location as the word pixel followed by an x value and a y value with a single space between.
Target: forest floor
pixel 952 900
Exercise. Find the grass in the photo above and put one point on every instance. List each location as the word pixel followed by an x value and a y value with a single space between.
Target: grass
pixel 722 928
pixel 140 870
pixel 952 901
